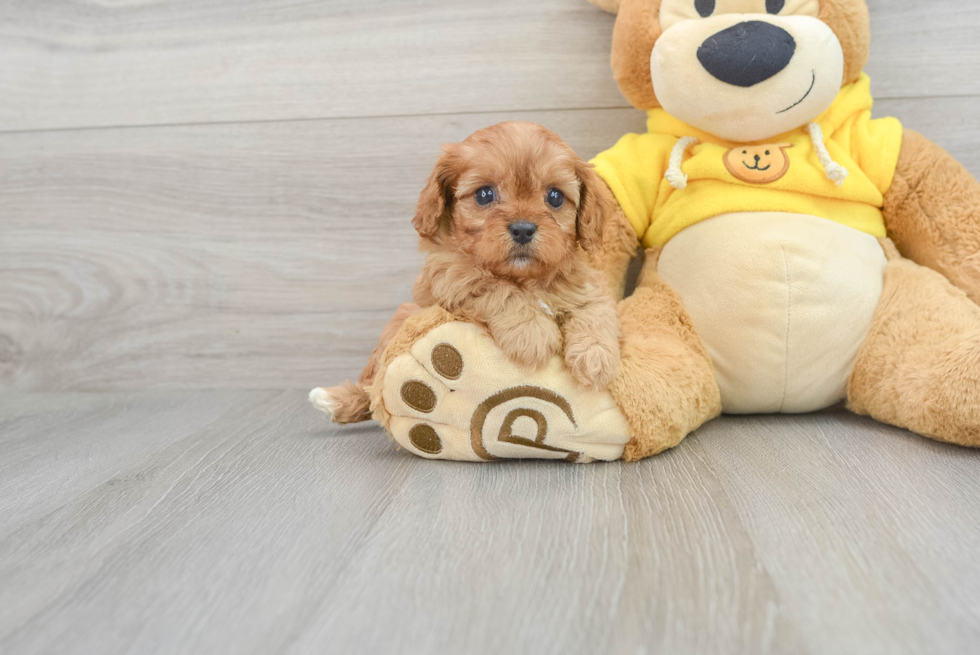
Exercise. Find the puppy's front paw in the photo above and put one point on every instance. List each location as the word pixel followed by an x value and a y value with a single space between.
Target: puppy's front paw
pixel 530 344
pixel 593 362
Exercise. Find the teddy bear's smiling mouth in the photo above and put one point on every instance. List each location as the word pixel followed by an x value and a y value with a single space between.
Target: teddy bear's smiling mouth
pixel 807 95
pixel 756 167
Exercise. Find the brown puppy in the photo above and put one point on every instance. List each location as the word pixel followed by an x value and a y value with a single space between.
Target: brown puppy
pixel 505 218
pixel 502 218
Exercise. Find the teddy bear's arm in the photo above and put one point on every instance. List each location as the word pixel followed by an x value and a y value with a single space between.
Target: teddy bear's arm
pixel 619 247
pixel 932 213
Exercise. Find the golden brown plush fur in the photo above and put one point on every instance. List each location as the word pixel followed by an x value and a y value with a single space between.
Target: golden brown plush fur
pixel 666 387
pixel 532 297
pixel 932 213
pixel 920 366
pixel 851 23
pixel 638 28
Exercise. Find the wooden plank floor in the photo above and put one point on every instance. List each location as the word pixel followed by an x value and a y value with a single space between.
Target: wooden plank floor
pixel 204 211
pixel 253 527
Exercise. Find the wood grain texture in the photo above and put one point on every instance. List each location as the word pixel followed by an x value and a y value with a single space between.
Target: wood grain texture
pixel 844 507
pixel 259 256
pixel 185 61
pixel 74 443
pixel 200 194
pixel 66 64
pixel 273 253
pixel 268 531
pixel 924 49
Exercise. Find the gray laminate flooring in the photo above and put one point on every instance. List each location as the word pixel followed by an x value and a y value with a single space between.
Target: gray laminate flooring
pixel 205 211
pixel 240 522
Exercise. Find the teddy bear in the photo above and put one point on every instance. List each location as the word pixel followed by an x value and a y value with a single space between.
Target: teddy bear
pixel 798 253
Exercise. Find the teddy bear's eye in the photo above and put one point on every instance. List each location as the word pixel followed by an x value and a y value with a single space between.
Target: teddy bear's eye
pixel 707 7
pixel 774 6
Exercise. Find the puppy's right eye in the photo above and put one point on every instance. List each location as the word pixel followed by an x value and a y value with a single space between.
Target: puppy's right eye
pixel 485 195
pixel 556 198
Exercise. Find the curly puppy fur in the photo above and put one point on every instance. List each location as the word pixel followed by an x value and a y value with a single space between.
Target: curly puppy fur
pixel 532 297
pixel 350 402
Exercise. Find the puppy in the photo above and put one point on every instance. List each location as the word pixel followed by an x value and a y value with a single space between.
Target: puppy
pixel 506 220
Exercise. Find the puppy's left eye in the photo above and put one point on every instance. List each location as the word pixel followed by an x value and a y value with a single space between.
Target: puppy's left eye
pixel 556 198
pixel 485 195
pixel 775 6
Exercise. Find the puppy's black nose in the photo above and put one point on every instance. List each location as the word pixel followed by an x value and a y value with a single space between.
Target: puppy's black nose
pixel 523 231
pixel 748 53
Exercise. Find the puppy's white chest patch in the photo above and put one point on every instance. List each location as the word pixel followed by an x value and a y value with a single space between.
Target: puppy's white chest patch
pixel 782 302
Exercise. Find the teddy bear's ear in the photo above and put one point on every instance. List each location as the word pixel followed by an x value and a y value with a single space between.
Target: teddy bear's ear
pixel 612 6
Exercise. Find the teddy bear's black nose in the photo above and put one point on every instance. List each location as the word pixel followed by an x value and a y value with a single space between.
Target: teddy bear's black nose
pixel 748 53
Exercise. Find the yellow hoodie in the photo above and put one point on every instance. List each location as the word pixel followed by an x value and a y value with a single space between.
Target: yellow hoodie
pixel 783 175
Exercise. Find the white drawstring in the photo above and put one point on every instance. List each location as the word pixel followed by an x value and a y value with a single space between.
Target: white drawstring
pixel 835 172
pixel 675 175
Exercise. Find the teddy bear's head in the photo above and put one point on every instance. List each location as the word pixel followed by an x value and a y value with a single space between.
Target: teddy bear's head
pixel 742 70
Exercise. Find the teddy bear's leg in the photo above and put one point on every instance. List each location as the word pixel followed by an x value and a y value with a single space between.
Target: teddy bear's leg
pixel 920 365
pixel 666 387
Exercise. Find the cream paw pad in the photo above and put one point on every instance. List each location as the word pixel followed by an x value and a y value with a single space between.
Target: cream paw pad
pixel 453 395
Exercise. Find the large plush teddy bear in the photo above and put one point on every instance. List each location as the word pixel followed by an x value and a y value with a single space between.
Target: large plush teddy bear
pixel 799 253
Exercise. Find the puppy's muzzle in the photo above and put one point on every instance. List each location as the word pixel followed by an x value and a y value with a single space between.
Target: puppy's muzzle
pixel 522 232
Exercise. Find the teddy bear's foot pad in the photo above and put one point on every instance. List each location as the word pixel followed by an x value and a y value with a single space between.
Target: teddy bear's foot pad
pixel 455 395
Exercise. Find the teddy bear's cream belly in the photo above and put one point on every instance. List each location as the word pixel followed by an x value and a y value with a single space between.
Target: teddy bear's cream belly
pixel 782 302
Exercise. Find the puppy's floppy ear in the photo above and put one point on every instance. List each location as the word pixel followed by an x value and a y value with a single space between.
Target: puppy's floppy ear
pixel 594 204
pixel 436 200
